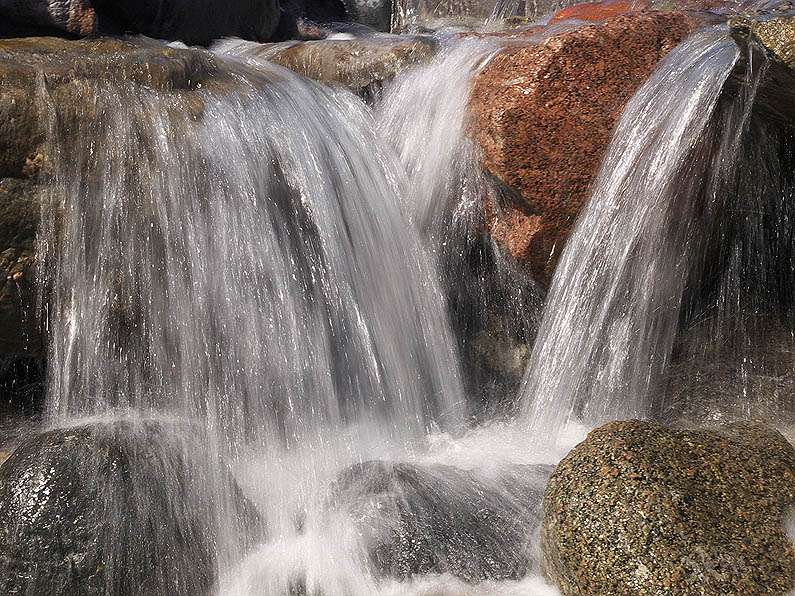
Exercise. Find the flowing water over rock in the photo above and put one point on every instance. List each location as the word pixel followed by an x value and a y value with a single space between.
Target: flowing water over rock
pixel 613 308
pixel 270 268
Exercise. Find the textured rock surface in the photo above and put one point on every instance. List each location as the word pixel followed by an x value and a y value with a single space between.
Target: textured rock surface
pixel 191 21
pixel 111 509
pixel 599 11
pixel 544 115
pixel 359 64
pixel 40 76
pixel 638 508
pixel 440 519
pixel 776 34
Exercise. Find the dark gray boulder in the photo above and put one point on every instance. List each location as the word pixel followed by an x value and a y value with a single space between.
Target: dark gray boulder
pixel 115 509
pixel 190 21
pixel 441 519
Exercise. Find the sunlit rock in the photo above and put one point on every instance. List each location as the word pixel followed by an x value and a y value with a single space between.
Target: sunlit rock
pixel 638 508
pixel 543 116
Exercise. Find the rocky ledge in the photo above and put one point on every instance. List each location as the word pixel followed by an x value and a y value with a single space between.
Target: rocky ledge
pixel 640 509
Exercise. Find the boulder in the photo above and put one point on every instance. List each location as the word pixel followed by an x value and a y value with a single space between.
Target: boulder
pixel 441 519
pixel 373 13
pixel 543 116
pixel 638 509
pixel 190 21
pixel 114 509
pixel 362 65
pixel 69 70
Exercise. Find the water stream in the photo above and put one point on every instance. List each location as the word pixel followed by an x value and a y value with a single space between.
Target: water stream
pixel 269 267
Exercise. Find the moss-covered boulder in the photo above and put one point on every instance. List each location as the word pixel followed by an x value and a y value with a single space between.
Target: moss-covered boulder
pixel 638 508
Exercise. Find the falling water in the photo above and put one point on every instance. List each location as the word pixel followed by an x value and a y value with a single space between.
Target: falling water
pixel 614 305
pixel 236 257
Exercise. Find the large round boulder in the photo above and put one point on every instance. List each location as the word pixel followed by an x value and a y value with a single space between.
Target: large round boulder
pixel 115 509
pixel 640 509
pixel 436 518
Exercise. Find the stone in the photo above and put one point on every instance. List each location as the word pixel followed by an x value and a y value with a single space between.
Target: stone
pixel 776 34
pixel 373 13
pixel 68 69
pixel 599 11
pixel 440 519
pixel 190 21
pixel 362 65
pixel 114 509
pixel 543 116
pixel 639 508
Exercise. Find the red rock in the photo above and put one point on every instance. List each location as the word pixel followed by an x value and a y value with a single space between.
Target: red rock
pixel 599 11
pixel 543 116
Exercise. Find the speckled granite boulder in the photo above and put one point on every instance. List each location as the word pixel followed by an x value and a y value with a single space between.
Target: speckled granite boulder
pixel 640 509
pixel 774 33
pixel 544 115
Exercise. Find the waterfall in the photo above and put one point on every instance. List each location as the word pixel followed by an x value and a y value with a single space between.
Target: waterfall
pixel 234 260
pixel 614 305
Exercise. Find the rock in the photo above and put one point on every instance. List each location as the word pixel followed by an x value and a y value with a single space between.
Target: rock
pixel 361 65
pixel 599 11
pixel 776 34
pixel 543 116
pixel 440 519
pixel 638 508
pixel 190 21
pixel 70 70
pixel 373 13
pixel 115 509
pixel 775 37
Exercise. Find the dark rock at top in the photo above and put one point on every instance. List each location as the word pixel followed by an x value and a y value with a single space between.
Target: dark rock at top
pixel 441 519
pixel 190 21
pixel 114 509
pixel 640 509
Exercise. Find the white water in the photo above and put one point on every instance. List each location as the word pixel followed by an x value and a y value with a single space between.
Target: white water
pixel 613 308
pixel 273 266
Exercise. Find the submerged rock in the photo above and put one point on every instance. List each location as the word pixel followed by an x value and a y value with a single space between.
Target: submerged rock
pixel 441 519
pixel 114 509
pixel 638 508
pixel 190 21
pixel 544 115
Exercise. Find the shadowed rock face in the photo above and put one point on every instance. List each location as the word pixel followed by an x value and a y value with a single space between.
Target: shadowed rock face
pixel 638 507
pixel 68 67
pixel 191 21
pixel 544 115
pixel 440 519
pixel 112 509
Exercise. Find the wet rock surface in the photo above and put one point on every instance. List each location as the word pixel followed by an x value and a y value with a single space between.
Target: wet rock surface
pixel 116 509
pixel 191 21
pixel 40 77
pixel 441 519
pixel 543 116
pixel 638 508
pixel 362 65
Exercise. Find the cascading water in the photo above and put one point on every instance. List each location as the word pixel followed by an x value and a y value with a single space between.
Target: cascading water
pixel 233 266
pixel 614 305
